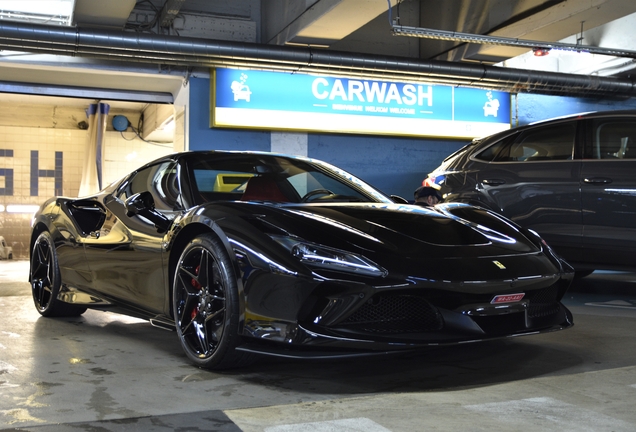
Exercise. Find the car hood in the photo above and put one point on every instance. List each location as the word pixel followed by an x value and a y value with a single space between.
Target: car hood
pixel 403 227
pixel 441 231
pixel 447 242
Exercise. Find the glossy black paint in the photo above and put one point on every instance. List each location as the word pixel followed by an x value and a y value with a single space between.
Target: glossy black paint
pixel 345 271
pixel 581 198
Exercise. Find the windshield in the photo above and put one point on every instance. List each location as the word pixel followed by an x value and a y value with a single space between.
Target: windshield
pixel 263 177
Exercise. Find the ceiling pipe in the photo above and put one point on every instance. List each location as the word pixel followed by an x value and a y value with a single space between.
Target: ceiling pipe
pixel 181 51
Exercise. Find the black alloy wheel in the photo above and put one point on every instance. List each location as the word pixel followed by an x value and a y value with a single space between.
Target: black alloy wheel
pixel 205 304
pixel 46 280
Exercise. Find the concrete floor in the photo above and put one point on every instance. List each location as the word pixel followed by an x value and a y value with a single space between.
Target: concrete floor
pixel 106 372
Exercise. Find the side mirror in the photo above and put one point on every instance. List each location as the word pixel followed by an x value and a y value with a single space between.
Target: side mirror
pixel 138 203
pixel 398 199
pixel 143 204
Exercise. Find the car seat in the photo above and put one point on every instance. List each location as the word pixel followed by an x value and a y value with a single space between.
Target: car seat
pixel 263 188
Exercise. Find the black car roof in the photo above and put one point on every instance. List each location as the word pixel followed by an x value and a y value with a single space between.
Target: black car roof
pixel 586 115
pixel 479 142
pixel 194 154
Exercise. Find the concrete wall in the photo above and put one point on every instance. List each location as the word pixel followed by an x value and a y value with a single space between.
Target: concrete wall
pixel 533 107
pixel 394 165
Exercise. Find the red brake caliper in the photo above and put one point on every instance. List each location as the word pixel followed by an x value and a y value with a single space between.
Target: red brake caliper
pixel 198 286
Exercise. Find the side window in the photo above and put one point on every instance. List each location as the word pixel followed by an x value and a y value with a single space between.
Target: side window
pixel 537 144
pixel 161 181
pixel 612 140
pixel 500 151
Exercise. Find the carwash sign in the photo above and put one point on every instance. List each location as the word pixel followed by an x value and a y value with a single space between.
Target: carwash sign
pixel 273 100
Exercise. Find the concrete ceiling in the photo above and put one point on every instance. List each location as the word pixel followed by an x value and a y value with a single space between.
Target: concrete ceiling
pixel 550 21
pixel 103 13
pixel 328 22
pixel 362 26
pixel 319 23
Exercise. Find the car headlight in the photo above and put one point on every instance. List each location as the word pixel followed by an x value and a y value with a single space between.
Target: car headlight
pixel 320 256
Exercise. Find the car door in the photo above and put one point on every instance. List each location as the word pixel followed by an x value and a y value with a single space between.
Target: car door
pixel 532 178
pixel 608 184
pixel 126 256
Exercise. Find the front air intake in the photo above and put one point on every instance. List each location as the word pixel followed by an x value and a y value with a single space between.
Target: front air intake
pixel 395 313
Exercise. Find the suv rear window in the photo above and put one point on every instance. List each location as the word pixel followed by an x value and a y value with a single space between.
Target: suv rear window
pixel 536 144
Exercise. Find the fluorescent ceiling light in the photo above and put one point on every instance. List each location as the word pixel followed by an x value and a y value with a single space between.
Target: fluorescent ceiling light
pixel 167 125
pixel 427 33
pixel 38 11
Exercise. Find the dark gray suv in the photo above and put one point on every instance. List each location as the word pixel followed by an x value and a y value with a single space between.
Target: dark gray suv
pixel 571 179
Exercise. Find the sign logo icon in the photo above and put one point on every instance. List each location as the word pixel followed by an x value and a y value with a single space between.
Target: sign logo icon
pixel 491 106
pixel 240 89
pixel 500 265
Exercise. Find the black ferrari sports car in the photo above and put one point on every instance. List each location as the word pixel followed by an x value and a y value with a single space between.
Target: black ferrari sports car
pixel 245 252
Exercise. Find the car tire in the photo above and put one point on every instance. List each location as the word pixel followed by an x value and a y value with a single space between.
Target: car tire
pixel 206 305
pixel 46 280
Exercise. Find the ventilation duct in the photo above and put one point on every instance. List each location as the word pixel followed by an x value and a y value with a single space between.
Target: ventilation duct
pixel 180 51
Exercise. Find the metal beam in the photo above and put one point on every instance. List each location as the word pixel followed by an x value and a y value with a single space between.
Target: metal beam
pixel 85 92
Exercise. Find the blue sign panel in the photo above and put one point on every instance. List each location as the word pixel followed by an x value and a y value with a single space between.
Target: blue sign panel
pixel 246 98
